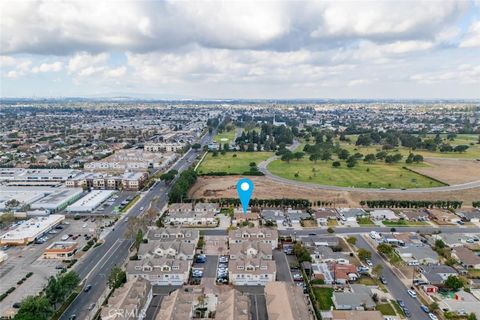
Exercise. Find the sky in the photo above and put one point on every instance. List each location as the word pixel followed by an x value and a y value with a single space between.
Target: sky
pixel 240 49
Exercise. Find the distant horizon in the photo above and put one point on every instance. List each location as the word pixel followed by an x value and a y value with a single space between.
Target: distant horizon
pixel 249 49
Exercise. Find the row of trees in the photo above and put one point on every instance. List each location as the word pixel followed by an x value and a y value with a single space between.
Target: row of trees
pixel 179 190
pixel 43 306
pixel 393 139
pixel 446 204
pixel 270 137
pixel 476 204
pixel 293 203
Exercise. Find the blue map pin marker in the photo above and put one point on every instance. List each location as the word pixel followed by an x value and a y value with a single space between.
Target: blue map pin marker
pixel 245 190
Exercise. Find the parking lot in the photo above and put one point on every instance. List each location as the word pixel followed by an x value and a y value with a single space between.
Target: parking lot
pixel 25 259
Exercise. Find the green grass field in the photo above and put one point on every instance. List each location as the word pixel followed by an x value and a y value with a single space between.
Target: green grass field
pixel 232 165
pixel 225 137
pixel 323 297
pixel 404 223
pixel 379 174
pixel 473 151
pixel 386 309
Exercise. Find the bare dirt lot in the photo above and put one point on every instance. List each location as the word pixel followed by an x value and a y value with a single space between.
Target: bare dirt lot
pixel 451 171
pixel 265 188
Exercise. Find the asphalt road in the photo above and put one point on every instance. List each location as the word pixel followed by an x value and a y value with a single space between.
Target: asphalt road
pixel 258 303
pixel 394 284
pixel 96 266
pixel 283 268
pixel 356 230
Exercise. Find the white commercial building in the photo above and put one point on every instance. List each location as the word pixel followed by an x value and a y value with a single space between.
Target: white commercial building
pixel 30 230
pixel 35 177
pixel 91 201
pixel 24 195
pixel 58 200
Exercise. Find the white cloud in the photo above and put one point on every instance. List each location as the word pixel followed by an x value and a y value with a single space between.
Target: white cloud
pixel 52 27
pixel 465 73
pixel 48 67
pixel 84 60
pixel 472 38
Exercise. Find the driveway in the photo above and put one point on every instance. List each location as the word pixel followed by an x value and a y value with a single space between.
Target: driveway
pixel 283 268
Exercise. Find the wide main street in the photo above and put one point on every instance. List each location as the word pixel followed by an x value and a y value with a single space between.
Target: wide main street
pixel 96 266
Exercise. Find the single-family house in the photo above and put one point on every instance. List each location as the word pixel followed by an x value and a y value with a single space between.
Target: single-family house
pixel 384 214
pixel 437 274
pixel 467 258
pixel 414 214
pixel 322 215
pixel 351 214
pixel 416 255
pixel 472 215
pixel 344 273
pixel 359 298
pixel 441 216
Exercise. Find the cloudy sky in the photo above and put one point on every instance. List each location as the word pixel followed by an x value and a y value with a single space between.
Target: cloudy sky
pixel 244 49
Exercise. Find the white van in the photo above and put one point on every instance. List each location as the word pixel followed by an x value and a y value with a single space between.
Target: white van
pixel 412 293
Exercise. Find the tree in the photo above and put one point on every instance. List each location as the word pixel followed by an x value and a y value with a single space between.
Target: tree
pixel 12 203
pixel 330 230
pixel 417 158
pixel 343 154
pixel 314 157
pixel 336 164
pixel 364 254
pixel 377 270
pixel 352 240
pixel 299 155
pixel 439 244
pixel 35 308
pixel 472 316
pixel 116 278
pixel 453 283
pixel 196 146
pixel 370 158
pixel 351 161
pixel 287 156
pixel 385 249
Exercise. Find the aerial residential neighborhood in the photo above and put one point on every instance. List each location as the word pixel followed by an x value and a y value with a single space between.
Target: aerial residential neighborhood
pixel 240 160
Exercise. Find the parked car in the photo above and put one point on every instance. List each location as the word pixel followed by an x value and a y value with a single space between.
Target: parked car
pixel 425 308
pixel 369 262
pixel 201 259
pixel 91 306
pixel 407 312
pixel 87 288
pixel 383 280
pixel 432 316
pixel 401 303
pixel 412 293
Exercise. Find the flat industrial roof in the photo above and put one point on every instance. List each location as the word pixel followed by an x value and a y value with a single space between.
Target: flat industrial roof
pixel 32 228
pixel 54 200
pixel 91 201
pixel 25 195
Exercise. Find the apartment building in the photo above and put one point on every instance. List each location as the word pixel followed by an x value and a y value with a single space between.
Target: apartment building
pixel 159 271
pixel 130 301
pixel 195 302
pixel 251 249
pixel 286 301
pixel 164 147
pixel 132 181
pixel 167 249
pixel 266 235
pixel 252 271
pixel 171 234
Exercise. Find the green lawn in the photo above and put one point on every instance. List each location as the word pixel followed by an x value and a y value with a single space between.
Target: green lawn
pixel 365 221
pixel 323 297
pixel 230 164
pixel 472 153
pixel 386 309
pixel 404 223
pixel 368 281
pixel 225 137
pixel 363 175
